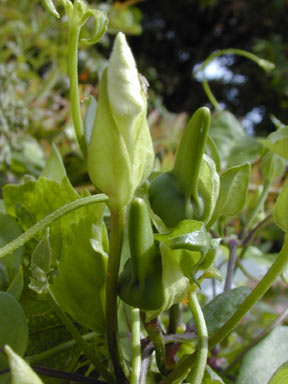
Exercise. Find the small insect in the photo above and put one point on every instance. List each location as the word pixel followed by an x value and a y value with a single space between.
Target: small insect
pixel 144 83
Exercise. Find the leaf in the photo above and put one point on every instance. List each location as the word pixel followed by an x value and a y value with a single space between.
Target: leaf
pixel 101 25
pixel 16 287
pixel 281 209
pixel 259 364
pixel 80 286
pixel 211 377
pixel 222 307
pixel 272 166
pixel 54 168
pixel 89 118
pixel 20 371
pixel 13 327
pixel 233 191
pixel 281 375
pixel 49 5
pixel 278 142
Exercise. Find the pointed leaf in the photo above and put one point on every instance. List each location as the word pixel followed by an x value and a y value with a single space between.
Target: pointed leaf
pixel 49 5
pixel 265 358
pixel 54 168
pixel 20 371
pixel 13 326
pixel 278 142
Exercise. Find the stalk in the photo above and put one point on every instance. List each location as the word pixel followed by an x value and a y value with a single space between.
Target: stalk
pixel 136 347
pixel 116 242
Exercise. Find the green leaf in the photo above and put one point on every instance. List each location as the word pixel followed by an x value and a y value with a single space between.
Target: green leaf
pixel 233 191
pixel 272 166
pixel 101 25
pixel 222 307
pixel 13 326
pixel 49 5
pixel 16 287
pixel 80 286
pixel 278 142
pixel 281 375
pixel 20 371
pixel 211 377
pixel 89 118
pixel 54 168
pixel 281 209
pixel 260 363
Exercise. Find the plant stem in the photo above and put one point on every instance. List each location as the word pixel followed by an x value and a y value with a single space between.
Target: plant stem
pixel 136 347
pixel 34 359
pixel 174 312
pixel 262 287
pixel 74 32
pixel 116 242
pixel 100 368
pixel 156 336
pixel 48 220
pixel 202 350
pixel 233 243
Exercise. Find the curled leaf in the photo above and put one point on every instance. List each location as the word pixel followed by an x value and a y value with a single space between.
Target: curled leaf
pixel 49 5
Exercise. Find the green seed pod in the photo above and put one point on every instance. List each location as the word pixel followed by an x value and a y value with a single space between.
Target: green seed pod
pixel 140 283
pixel 190 189
pixel 120 152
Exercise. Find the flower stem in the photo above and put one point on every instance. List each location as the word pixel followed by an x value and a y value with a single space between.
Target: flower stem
pixel 116 242
pixel 136 347
pixel 202 350
pixel 74 32
pixel 259 205
pixel 100 368
pixel 48 220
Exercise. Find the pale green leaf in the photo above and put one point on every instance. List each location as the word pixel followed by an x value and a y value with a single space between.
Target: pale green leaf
pixel 272 166
pixel 260 363
pixel 16 287
pixel 278 142
pixel 54 168
pixel 89 118
pixel 21 372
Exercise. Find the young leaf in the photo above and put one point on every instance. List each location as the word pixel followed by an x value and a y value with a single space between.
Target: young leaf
pixel 265 358
pixel 281 375
pixel 21 373
pixel 13 326
pixel 54 168
pixel 272 166
pixel 233 191
pixel 49 5
pixel 278 142
pixel 281 209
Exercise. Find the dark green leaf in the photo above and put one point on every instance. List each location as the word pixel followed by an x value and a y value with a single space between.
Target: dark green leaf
pixel 13 327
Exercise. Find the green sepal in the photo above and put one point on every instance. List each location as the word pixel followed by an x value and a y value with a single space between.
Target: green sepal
pixel 140 283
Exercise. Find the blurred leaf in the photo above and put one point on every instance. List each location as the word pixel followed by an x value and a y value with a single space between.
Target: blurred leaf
pixel 89 118
pixel 21 373
pixel 281 375
pixel 211 377
pixel 281 209
pixel 125 19
pixel 101 24
pixel 54 168
pixel 272 166
pixel 233 191
pixel 80 286
pixel 13 327
pixel 49 5
pixel 259 364
pixel 278 142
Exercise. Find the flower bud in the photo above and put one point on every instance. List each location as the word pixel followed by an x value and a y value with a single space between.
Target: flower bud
pixel 120 152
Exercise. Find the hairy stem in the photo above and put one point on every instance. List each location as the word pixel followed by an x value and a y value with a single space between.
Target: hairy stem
pixel 202 349
pixel 116 242
pixel 100 368
pixel 136 347
pixel 48 220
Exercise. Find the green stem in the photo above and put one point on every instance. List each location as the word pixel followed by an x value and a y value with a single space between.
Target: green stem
pixel 136 347
pixel 262 287
pixel 116 242
pixel 100 368
pixel 259 205
pixel 174 312
pixel 74 32
pixel 48 220
pixel 156 336
pixel 202 350
pixel 42 356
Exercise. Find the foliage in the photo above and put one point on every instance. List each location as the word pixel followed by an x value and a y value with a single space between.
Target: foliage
pixel 114 287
